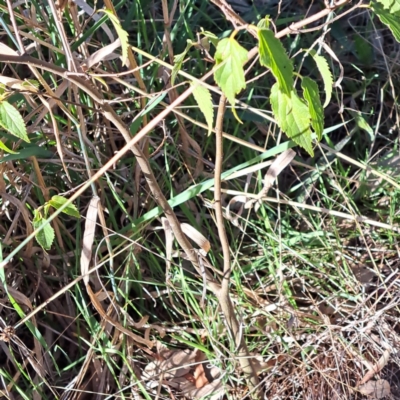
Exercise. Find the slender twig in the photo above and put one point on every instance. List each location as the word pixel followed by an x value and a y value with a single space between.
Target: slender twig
pixel 223 294
pixel 15 27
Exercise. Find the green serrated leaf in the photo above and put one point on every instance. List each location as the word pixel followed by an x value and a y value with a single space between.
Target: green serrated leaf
pixel 203 99
pixel 391 5
pixel 292 116
pixel 311 95
pixel 46 209
pixel 389 17
pixel 6 149
pixel 299 124
pixel 122 34
pixel 280 104
pixel 273 56
pixel 178 60
pixel 45 236
pixel 264 22
pixel 58 201
pixel 228 71
pixel 325 71
pixel 12 122
pixel 211 37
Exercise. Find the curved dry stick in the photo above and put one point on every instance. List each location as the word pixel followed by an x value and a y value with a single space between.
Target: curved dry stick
pixel 223 294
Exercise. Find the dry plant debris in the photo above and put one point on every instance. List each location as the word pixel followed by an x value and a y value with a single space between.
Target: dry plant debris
pixel 184 279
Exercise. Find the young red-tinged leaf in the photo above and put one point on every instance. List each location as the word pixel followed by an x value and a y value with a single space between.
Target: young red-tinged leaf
pixel 45 236
pixel 203 98
pixel 326 74
pixel 12 122
pixel 58 201
pixel 311 95
pixel 273 56
pixel 122 34
pixel 228 71
pixel 292 116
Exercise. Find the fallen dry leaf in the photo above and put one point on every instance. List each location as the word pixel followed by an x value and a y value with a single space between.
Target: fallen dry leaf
pixel 377 367
pixel 376 389
pixel 199 372
pixel 177 365
pixel 214 390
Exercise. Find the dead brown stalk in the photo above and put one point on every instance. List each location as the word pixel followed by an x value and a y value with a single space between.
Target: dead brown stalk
pixel 223 294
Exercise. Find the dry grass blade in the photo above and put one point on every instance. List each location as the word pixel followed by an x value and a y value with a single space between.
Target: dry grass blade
pixel 105 53
pixel 376 389
pixel 88 237
pixel 56 135
pixel 377 367
pixel 7 51
pixel 197 237
pixel 279 164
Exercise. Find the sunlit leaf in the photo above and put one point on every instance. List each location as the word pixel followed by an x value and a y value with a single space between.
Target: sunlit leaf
pixel 228 71
pixel 362 123
pixel 293 117
pixel 311 95
pixel 12 122
pixel 391 5
pixel 203 99
pixel 58 201
pixel 390 17
pixel 45 236
pixel 122 34
pixel 264 23
pixel 273 56
pixel 326 74
pixel 211 37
